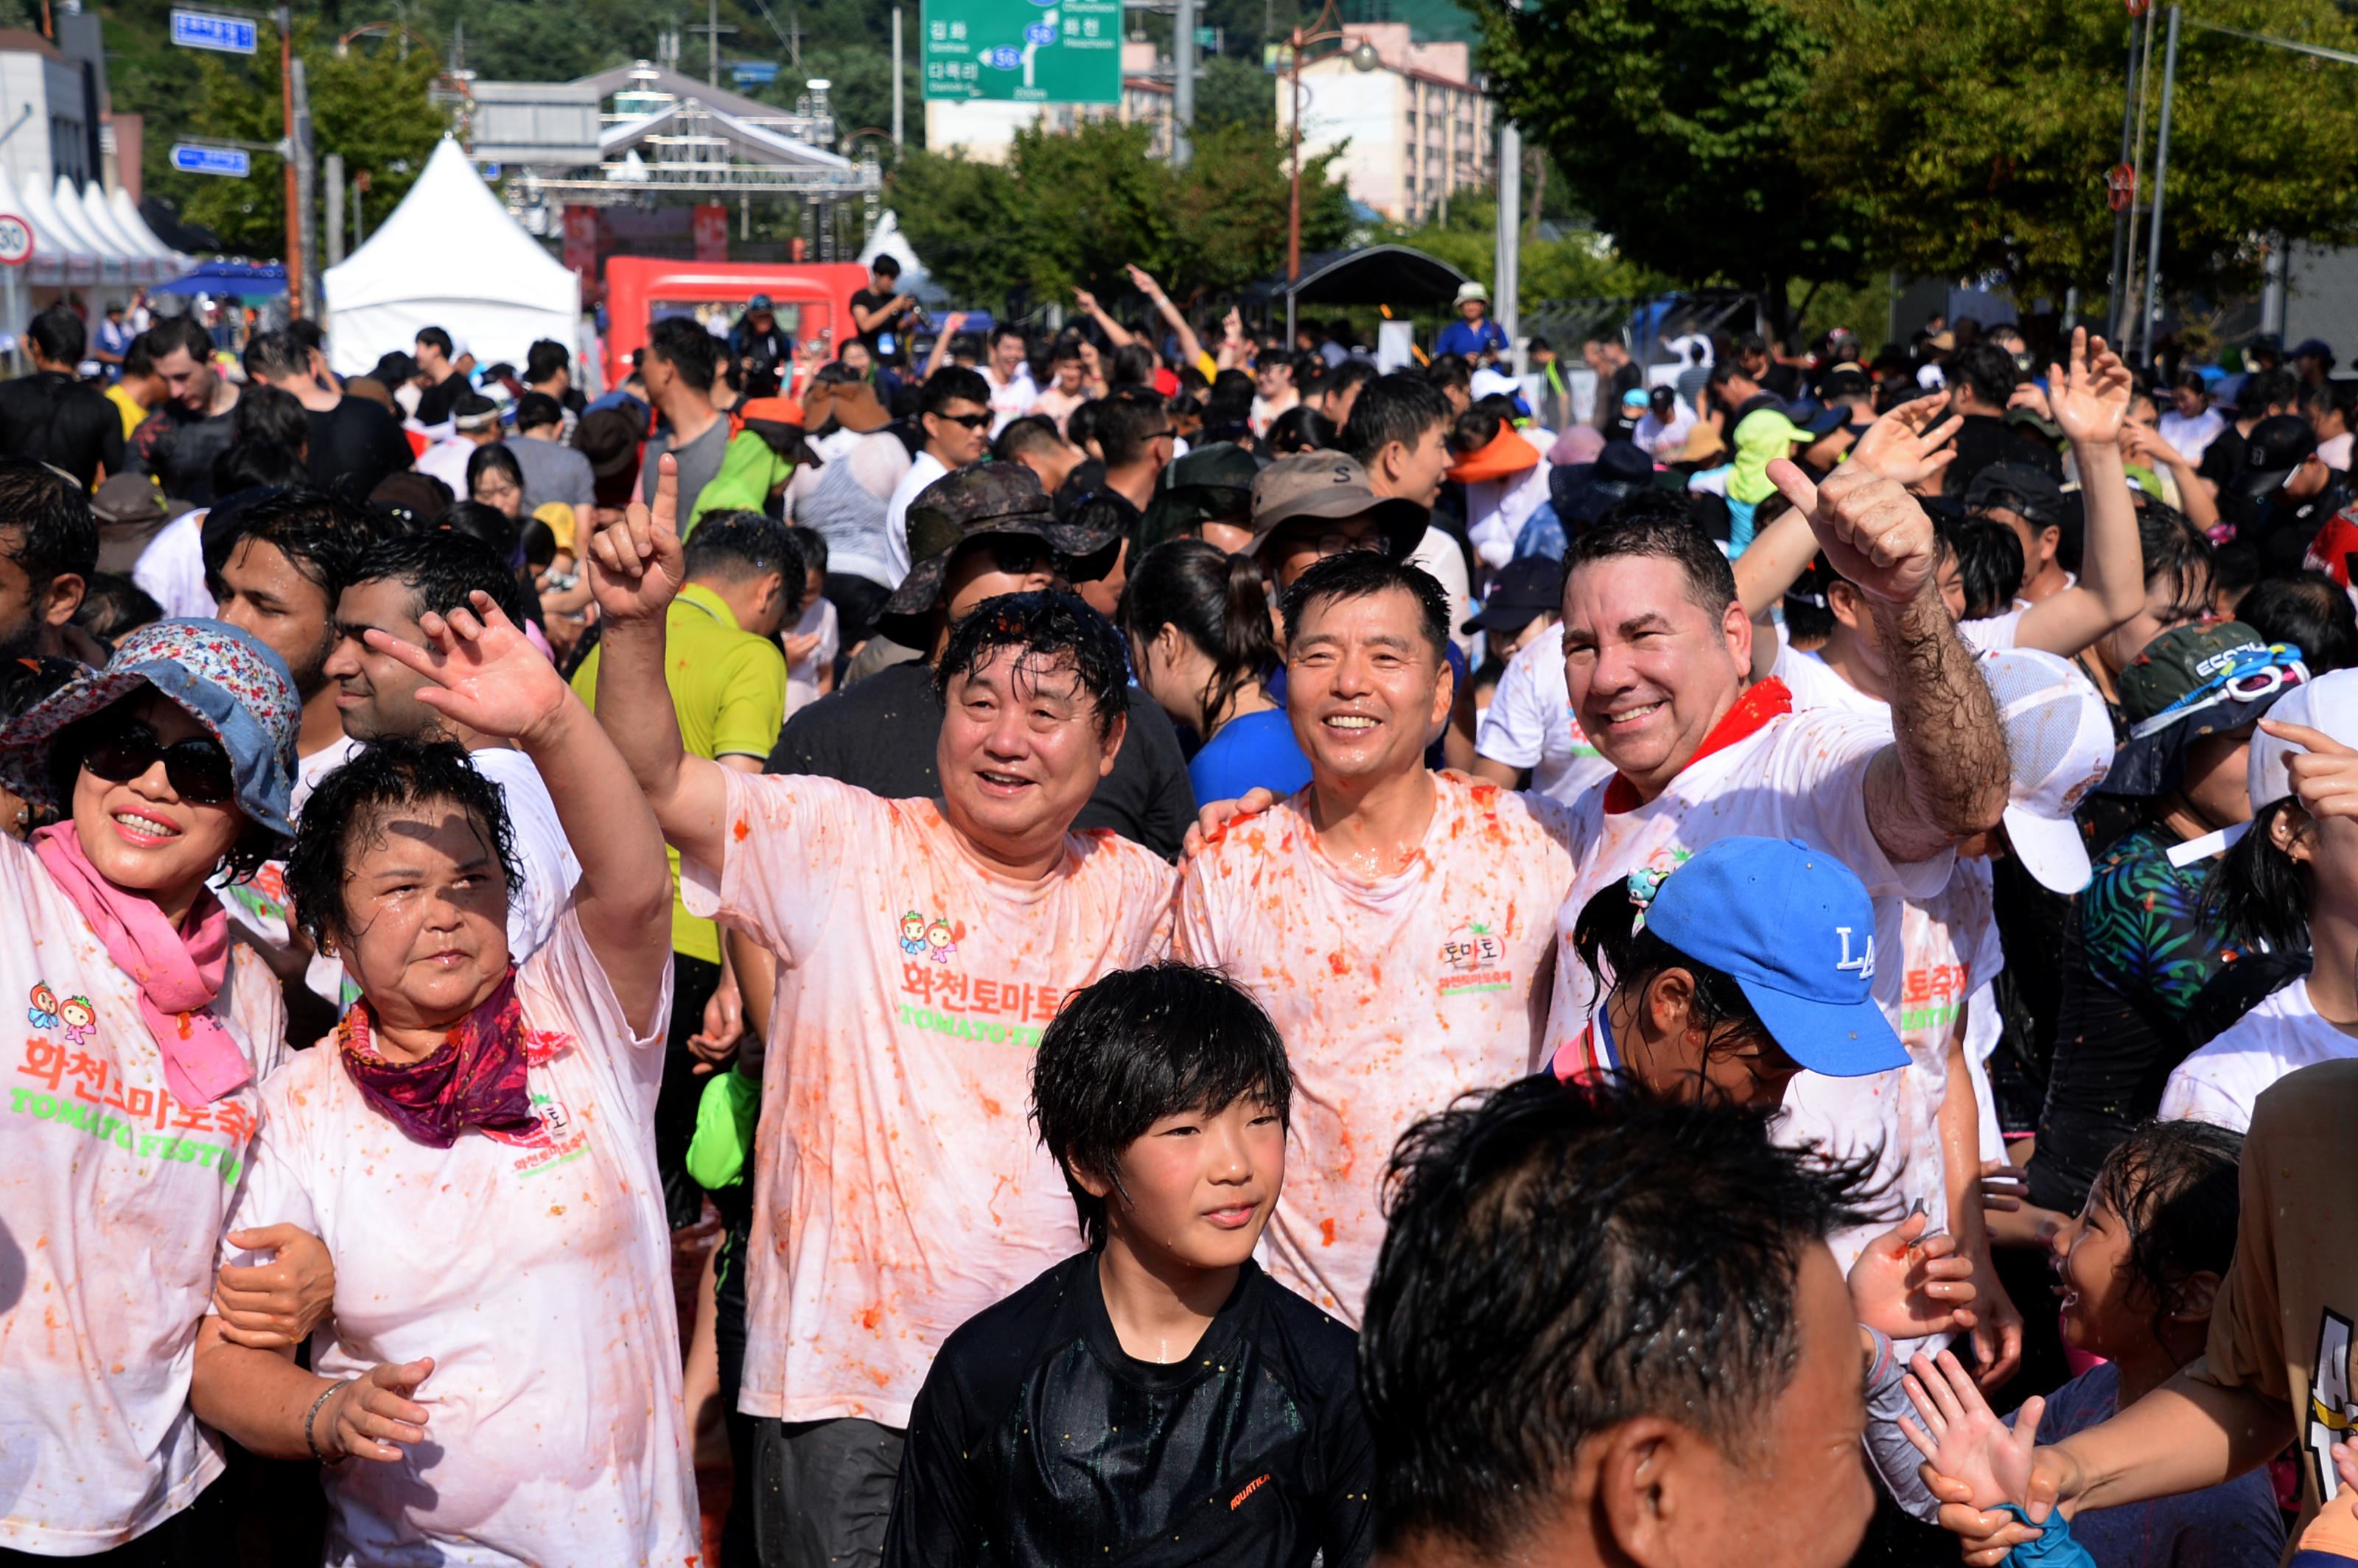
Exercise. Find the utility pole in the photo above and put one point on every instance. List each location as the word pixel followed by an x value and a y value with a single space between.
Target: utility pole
pixel 1183 83
pixel 333 229
pixel 295 301
pixel 2123 217
pixel 712 29
pixel 898 100
pixel 306 193
pixel 2160 188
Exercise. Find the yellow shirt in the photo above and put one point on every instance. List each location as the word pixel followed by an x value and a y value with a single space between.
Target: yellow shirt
pixel 128 406
pixel 728 688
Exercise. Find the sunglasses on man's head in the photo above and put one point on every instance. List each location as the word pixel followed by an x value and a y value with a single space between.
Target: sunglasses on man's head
pixel 196 768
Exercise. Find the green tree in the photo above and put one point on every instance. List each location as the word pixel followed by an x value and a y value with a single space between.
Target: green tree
pixel 1230 92
pixel 1071 210
pixel 369 105
pixel 1671 125
pixel 1577 266
pixel 1974 139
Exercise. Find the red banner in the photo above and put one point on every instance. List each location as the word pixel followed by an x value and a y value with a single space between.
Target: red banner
pixel 711 232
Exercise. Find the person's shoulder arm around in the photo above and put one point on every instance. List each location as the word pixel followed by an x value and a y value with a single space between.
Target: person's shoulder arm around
pixel 2091 401
pixel 482 673
pixel 636 569
pixel 1944 776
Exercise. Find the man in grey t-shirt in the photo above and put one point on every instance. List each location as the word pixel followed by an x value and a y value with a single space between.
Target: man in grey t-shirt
pixel 552 471
pixel 681 360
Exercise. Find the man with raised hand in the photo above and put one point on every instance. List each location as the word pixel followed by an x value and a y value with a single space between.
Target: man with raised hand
pixel 1394 922
pixel 922 946
pixel 1657 654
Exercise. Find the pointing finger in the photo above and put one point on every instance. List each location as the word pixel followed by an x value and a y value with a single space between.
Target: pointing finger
pixel 1794 486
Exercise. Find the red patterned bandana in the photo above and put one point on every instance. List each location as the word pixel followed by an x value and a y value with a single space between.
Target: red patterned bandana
pixel 476 1078
pixel 1761 702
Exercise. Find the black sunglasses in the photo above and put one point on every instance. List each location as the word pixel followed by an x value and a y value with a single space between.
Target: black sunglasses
pixel 971 421
pixel 196 768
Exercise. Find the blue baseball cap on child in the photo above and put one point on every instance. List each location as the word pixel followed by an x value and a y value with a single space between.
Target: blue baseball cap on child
pixel 1793 927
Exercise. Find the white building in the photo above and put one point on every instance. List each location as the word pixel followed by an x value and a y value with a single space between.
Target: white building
pixel 1414 131
pixel 46 108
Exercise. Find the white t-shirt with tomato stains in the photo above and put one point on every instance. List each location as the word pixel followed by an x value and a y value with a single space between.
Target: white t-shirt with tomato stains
pixel 1393 994
pixel 534 1270
pixel 113 1197
pixel 899 1188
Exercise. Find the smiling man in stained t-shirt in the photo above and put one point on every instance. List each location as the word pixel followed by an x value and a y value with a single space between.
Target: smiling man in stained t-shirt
pixel 922 946
pixel 1396 922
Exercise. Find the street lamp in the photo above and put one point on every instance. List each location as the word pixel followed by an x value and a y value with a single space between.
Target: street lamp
pixel 1327 27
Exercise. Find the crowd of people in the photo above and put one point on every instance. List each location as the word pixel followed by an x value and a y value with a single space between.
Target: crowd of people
pixel 1219 956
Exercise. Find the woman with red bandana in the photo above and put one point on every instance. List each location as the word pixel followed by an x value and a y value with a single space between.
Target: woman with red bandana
pixel 503 1362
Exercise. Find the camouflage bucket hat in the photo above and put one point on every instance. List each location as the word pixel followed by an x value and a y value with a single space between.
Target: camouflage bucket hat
pixel 973 502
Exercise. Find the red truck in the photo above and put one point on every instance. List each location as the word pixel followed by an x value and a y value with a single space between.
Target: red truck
pixel 813 299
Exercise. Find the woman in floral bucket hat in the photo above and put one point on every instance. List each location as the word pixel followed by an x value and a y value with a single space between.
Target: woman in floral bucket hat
pixel 131 1081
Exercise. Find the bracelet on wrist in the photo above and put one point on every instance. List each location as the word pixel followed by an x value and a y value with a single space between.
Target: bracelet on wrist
pixel 312 1415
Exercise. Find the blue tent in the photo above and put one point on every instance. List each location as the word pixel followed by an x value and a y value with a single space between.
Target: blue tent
pixel 243 279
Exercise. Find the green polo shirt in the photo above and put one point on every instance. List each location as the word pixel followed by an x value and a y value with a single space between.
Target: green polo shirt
pixel 728 688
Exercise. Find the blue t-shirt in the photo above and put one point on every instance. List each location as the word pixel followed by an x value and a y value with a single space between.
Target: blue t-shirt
pixel 1256 752
pixel 1470 338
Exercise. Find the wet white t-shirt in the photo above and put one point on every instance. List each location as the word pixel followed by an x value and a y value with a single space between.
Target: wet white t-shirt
pixel 535 1270
pixel 1529 723
pixel 113 1197
pixel 2220 1082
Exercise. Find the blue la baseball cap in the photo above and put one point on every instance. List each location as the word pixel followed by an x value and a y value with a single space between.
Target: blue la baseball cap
pixel 1795 928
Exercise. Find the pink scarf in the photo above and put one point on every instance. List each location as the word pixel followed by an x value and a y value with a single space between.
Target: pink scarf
pixel 179 973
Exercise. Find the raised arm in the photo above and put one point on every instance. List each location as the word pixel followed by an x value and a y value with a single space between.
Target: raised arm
pixel 2143 443
pixel 636 569
pixel 867 319
pixel 482 673
pixel 1944 776
pixel 1116 333
pixel 2091 401
pixel 952 324
pixel 1191 347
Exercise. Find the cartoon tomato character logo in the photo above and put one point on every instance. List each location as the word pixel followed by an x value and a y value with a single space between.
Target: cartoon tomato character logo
pixel 81 1019
pixel 43 1013
pixel 913 934
pixel 938 938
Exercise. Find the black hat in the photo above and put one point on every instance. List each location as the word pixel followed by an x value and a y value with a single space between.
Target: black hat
pixel 2017 487
pixel 1527 587
pixel 2276 446
pixel 1582 492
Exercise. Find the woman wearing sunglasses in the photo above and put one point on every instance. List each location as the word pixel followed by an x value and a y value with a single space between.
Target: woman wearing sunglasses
pixel 139 1040
pixel 500 1381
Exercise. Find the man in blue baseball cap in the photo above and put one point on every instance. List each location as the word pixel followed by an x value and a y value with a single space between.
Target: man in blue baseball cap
pixel 760 347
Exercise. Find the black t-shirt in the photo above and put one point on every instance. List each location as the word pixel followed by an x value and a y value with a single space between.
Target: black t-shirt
pixel 177 448
pixel 2223 459
pixel 435 402
pixel 353 446
pixel 868 299
pixel 52 418
pixel 881 733
pixel 1037 1439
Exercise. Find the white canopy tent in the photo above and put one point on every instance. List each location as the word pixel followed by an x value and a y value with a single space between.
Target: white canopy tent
pixel 99 218
pixel 66 202
pixel 53 236
pixel 127 219
pixel 451 256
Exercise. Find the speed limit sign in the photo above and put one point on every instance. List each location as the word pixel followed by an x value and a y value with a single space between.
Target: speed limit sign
pixel 15 240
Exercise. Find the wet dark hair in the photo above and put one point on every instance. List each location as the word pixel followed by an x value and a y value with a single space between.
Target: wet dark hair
pixel 2175 550
pixel 59 335
pixel 688 348
pixel 2174 1184
pixel 489 455
pixel 2308 610
pixel 2257 894
pixel 443 571
pixel 1989 557
pixel 347 813
pixel 1300 428
pixel 1137 1045
pixel 1987 369
pixel 1618 953
pixel 1218 601
pixel 1563 1258
pixel 114 606
pixel 1055 627
pixel 322 537
pixel 254 845
pixel 737 546
pixel 1363 574
pixel 1126 420
pixel 256 465
pixel 1134 364
pixel 267 414
pixel 50 514
pixel 487 526
pixel 1666 536
pixel 1396 408
pixel 954 383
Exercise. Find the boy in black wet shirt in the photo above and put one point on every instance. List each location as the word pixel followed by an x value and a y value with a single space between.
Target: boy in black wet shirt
pixel 1156 1400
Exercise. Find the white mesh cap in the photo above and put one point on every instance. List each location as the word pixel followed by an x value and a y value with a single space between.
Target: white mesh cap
pixel 2059 744
pixel 2329 703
